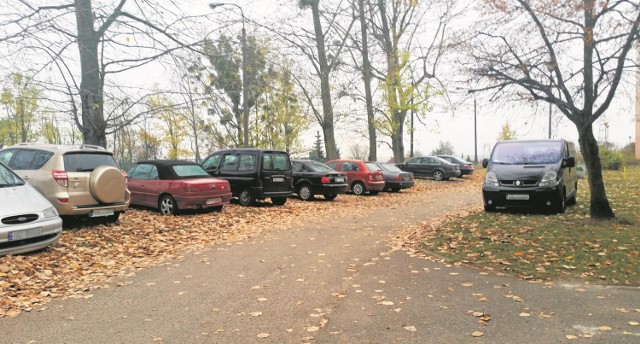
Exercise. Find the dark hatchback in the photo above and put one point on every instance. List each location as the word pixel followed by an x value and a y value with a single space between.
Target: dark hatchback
pixel 395 179
pixel 430 166
pixel 253 173
pixel 466 168
pixel 312 178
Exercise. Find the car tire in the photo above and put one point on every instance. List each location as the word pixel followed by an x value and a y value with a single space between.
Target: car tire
pixel 107 184
pixel 438 175
pixel 305 192
pixel 394 189
pixel 358 188
pixel 167 205
pixel 113 219
pixel 278 200
pixel 245 198
pixel 330 197
pixel 572 200
pixel 562 205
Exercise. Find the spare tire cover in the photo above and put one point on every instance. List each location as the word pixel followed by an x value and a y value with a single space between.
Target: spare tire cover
pixel 107 184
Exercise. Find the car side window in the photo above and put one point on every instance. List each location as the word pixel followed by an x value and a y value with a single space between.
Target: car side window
pixel 141 172
pixel 348 166
pixel 430 161
pixel 296 166
pixel 23 159
pixel 5 156
pixel 414 161
pixel 40 159
pixel 275 162
pixel 333 165
pixel 247 162
pixel 229 163
pixel 153 174
pixel 212 162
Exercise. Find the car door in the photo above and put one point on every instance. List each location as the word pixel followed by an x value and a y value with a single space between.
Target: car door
pixel 138 185
pixel 416 166
pixel 276 172
pixel 351 170
pixel 429 165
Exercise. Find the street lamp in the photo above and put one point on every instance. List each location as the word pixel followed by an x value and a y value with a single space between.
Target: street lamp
pixel 245 85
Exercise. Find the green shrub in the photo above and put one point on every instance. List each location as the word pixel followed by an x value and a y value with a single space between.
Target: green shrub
pixel 611 159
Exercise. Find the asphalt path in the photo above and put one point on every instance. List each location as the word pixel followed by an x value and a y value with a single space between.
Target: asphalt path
pixel 339 279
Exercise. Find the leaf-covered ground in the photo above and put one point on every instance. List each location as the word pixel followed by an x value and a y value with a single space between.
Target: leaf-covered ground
pixel 92 257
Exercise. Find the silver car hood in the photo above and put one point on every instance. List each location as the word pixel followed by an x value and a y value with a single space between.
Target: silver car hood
pixel 22 199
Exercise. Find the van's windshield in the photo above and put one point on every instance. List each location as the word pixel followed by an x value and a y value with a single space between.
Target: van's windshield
pixel 527 153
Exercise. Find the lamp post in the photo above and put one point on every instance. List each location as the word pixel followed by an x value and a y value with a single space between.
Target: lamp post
pixel 245 85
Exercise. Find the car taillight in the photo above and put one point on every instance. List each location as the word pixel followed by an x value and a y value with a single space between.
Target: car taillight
pixel 468 166
pixel 398 178
pixel 61 177
pixel 325 180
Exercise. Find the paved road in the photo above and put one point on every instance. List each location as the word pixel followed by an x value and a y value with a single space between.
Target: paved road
pixel 333 281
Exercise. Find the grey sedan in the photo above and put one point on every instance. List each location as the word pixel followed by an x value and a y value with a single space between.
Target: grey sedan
pixel 430 166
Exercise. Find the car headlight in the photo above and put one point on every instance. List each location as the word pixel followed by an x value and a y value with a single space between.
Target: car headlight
pixel 491 178
pixel 50 212
pixel 549 179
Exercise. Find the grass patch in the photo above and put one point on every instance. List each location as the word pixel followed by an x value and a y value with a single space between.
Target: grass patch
pixel 568 246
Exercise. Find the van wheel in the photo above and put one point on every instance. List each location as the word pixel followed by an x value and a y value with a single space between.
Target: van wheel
pixel 358 188
pixel 278 200
pixel 438 175
pixel 245 198
pixel 167 205
pixel 562 205
pixel 305 192
pixel 572 200
pixel 330 197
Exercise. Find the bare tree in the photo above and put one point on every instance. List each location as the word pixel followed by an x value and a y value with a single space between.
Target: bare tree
pixel 110 38
pixel 570 54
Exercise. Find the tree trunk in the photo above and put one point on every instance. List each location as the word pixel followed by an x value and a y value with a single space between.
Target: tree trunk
pixel 93 125
pixel 325 86
pixel 366 75
pixel 599 208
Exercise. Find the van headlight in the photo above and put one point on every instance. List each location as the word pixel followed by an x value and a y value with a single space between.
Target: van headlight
pixel 491 178
pixel 549 179
pixel 50 212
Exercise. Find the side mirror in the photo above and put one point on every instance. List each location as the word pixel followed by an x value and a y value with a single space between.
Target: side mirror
pixel 485 162
pixel 569 162
pixel 213 171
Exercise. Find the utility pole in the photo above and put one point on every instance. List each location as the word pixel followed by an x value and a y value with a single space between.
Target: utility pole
pixel 475 130
pixel 638 101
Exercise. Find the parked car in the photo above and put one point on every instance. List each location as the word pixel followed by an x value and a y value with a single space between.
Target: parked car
pixel 430 166
pixel 28 221
pixel 173 185
pixel 580 171
pixel 531 173
pixel 81 181
pixel 466 168
pixel 312 178
pixel 395 179
pixel 362 177
pixel 254 174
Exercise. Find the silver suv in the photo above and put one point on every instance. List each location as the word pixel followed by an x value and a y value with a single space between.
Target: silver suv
pixel 80 181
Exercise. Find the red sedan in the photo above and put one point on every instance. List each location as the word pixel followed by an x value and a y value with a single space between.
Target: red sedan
pixel 173 185
pixel 362 176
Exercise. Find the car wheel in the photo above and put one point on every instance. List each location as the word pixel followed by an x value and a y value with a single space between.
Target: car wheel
pixel 358 188
pixel 438 175
pixel 394 189
pixel 305 192
pixel 330 197
pixel 278 200
pixel 245 198
pixel 562 205
pixel 107 184
pixel 167 205
pixel 114 218
pixel 572 200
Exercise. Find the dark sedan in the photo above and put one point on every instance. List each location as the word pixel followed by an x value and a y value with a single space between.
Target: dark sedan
pixel 395 179
pixel 312 178
pixel 465 166
pixel 173 185
pixel 430 166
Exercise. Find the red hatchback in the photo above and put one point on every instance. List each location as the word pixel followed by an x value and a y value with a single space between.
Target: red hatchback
pixel 172 185
pixel 361 176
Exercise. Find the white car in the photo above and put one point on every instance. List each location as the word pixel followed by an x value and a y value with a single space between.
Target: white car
pixel 28 221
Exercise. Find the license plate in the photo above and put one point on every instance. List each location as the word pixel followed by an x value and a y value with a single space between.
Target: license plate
pixel 339 180
pixel 101 212
pixel 214 200
pixel 25 234
pixel 278 179
pixel 518 197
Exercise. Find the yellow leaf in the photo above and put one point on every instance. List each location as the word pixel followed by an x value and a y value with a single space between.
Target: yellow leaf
pixel 477 334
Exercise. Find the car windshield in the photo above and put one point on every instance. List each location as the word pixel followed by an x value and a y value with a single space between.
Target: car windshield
pixel 185 171
pixel 372 166
pixel 83 161
pixel 390 168
pixel 8 178
pixel 319 167
pixel 527 153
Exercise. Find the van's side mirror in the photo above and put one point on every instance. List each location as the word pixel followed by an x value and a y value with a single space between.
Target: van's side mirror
pixel 485 162
pixel 569 162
